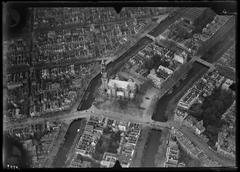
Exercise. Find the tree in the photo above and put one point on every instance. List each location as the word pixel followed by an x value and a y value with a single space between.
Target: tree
pixel 233 87
pixel 212 129
pixel 226 96
pixel 207 113
pixel 116 136
pixel 221 123
pixel 149 64
pixel 218 104
pixel 196 110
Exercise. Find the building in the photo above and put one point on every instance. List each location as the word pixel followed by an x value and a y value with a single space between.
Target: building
pixel 180 115
pixel 199 128
pixel 116 88
pixel 122 126
pixel 181 164
pixel 190 121
pixel 165 69
pixel 189 99
pixel 121 89
pixel 109 159
pixel 198 17
pixel 180 58
pixel 170 163
pixel 156 80
pixel 172 154
pixel 227 84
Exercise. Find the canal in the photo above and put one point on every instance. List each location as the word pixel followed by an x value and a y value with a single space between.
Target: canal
pixel 151 148
pixel 194 74
pixel 61 156
pixel 89 95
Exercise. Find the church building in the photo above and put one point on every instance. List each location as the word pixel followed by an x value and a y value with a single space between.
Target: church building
pixel 116 88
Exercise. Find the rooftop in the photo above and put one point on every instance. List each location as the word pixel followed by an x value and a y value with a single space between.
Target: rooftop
pixel 121 84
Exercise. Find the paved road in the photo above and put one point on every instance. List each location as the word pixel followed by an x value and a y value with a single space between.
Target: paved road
pixel 82 114
pixel 30 121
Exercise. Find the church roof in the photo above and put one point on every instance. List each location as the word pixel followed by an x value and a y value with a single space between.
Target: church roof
pixel 120 84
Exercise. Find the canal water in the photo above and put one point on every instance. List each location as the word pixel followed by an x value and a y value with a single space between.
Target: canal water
pixel 88 96
pixel 160 109
pixel 151 148
pixel 61 156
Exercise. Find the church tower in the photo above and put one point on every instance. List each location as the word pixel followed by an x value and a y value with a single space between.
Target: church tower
pixel 104 77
